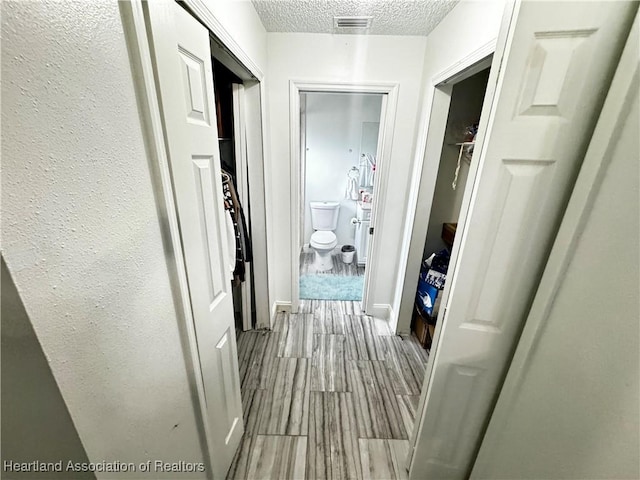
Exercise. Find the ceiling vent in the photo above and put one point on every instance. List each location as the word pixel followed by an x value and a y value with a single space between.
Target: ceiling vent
pixel 340 23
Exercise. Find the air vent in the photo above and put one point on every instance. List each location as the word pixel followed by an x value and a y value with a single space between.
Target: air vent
pixel 352 22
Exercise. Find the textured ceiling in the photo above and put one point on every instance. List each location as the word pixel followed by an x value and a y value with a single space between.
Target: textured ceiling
pixel 390 17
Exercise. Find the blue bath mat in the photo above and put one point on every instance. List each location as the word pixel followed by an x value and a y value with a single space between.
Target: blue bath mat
pixel 331 287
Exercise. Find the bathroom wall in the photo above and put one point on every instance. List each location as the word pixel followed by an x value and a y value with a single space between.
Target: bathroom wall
pixel 333 138
pixel 354 59
pixel 465 109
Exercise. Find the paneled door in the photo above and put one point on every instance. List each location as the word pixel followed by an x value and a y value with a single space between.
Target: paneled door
pixel 554 62
pixel 184 77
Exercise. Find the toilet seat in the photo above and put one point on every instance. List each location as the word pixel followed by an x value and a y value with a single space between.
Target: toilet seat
pixel 323 239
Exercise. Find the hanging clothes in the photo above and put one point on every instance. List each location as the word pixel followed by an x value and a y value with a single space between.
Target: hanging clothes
pixel 232 205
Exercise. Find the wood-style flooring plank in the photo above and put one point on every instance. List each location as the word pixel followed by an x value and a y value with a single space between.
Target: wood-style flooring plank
pixel 363 341
pixel 286 403
pixel 256 351
pixel 328 367
pixel 408 407
pixel 333 450
pixel 278 457
pixel 326 320
pixel 406 369
pixel 414 349
pixel 384 459
pixel 377 411
pixel 296 335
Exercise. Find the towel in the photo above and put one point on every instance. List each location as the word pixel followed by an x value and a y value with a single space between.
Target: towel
pixel 352 189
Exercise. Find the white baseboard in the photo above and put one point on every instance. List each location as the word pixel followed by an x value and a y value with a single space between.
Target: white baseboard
pixel 381 310
pixel 275 308
pixel 281 307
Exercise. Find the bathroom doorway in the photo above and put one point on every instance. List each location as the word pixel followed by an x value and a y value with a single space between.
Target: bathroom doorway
pixel 338 179
pixel 339 142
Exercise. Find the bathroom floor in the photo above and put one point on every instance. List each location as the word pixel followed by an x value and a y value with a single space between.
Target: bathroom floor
pixel 339 267
pixel 329 393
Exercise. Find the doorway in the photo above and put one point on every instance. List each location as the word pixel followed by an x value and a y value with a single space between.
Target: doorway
pixel 228 90
pixel 461 128
pixel 339 143
pixel 381 100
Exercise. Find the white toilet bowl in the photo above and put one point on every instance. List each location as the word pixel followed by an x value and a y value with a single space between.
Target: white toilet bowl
pixel 323 242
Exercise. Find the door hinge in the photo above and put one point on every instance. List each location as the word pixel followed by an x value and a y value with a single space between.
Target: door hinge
pixel 370 230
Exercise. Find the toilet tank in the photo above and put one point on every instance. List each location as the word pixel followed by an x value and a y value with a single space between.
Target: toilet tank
pixel 324 215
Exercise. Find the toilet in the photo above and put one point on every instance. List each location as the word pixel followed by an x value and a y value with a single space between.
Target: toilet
pixel 324 219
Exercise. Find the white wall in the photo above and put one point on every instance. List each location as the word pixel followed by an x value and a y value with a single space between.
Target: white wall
pixel 81 235
pixel 34 426
pixel 333 138
pixel 575 413
pixel 469 26
pixel 342 58
pixel 241 21
pixel 466 105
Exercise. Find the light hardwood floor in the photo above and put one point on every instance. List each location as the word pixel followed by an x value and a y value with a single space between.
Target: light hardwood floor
pixel 329 393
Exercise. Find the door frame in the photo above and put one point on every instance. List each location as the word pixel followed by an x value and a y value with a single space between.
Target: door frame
pixel 138 44
pixel 231 54
pixel 433 138
pixel 430 141
pixel 383 154
pixel 242 183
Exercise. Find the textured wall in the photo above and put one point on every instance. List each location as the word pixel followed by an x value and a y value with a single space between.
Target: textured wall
pixel 36 423
pixel 334 132
pixel 343 58
pixel 81 235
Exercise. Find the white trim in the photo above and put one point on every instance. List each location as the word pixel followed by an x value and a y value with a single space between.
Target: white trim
pixel 381 310
pixel 268 200
pixel 466 66
pixel 281 307
pixel 138 43
pixel 202 12
pixel 242 181
pixel 258 196
pixel 597 159
pixel 387 124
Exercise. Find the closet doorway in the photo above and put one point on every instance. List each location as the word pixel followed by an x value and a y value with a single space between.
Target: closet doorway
pixel 339 143
pixel 467 98
pixel 228 90
pixel 338 176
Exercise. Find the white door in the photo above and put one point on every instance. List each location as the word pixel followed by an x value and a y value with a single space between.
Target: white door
pixel 184 76
pixel 554 61
pixel 242 181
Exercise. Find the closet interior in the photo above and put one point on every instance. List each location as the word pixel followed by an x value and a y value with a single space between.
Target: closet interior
pixel 455 159
pixel 236 190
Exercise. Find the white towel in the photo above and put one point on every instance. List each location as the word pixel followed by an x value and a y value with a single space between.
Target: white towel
pixel 352 189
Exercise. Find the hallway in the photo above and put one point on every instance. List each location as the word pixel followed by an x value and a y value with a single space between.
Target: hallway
pixel 329 393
